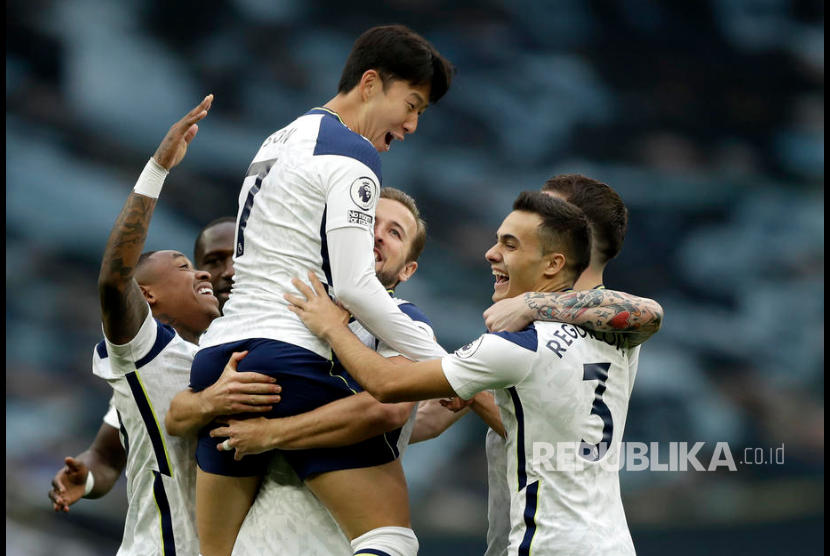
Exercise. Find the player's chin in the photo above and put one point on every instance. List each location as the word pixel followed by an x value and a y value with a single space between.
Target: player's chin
pixel 500 291
pixel 210 304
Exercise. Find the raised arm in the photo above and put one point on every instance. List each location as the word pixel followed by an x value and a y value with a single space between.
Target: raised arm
pixel 601 310
pixel 105 459
pixel 123 308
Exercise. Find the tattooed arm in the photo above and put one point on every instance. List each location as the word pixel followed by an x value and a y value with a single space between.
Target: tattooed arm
pixel 636 318
pixel 123 308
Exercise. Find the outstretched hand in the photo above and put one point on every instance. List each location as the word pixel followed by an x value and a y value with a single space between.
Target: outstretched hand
pixel 316 310
pixel 510 314
pixel 68 485
pixel 173 147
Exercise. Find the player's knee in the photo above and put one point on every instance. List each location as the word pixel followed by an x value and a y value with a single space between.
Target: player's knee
pixel 391 541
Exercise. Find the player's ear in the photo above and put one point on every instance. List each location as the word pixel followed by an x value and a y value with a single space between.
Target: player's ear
pixel 149 295
pixel 370 83
pixel 554 263
pixel 407 271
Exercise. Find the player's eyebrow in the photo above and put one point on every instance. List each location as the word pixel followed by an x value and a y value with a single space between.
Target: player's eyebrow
pixel 396 224
pixel 181 256
pixel 423 103
pixel 504 238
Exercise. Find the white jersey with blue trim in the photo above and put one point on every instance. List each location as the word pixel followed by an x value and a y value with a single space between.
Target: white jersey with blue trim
pixel 563 397
pixel 286 517
pixel 498 495
pixel 307 179
pixel 111 416
pixel 145 375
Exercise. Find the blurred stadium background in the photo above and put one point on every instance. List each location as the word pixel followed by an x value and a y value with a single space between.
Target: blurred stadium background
pixel 707 117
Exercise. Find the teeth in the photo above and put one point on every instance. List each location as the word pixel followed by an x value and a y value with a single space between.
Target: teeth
pixel 205 291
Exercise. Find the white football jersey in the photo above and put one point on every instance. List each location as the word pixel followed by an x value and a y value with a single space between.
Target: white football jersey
pixel 307 179
pixel 563 397
pixel 145 375
pixel 498 495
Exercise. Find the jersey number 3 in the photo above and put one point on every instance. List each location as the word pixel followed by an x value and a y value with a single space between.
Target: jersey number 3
pixel 595 452
pixel 256 173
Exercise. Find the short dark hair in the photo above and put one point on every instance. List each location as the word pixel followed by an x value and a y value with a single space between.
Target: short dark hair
pixel 141 263
pixel 601 204
pixel 397 52
pixel 564 227
pixel 144 256
pixel 197 245
pixel 420 239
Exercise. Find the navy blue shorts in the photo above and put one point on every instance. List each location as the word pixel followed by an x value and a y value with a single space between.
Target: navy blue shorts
pixel 308 381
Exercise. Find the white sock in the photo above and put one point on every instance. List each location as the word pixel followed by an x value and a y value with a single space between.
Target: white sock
pixel 386 541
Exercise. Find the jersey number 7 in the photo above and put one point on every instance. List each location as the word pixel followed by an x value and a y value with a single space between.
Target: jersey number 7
pixel 256 173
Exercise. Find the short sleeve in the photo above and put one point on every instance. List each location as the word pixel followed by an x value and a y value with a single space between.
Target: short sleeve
pixel 491 361
pixel 111 417
pixel 131 354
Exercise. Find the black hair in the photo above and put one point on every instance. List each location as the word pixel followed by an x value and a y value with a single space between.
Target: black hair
pixel 397 52
pixel 564 228
pixel 601 204
pixel 211 224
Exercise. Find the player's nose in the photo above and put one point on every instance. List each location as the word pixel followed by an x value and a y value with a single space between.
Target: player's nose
pixel 492 254
pixel 228 272
pixel 411 124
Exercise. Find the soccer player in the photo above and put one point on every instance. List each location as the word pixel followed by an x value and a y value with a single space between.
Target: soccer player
pixel 608 218
pixel 93 473
pixel 154 308
pixel 213 251
pixel 308 203
pixel 558 386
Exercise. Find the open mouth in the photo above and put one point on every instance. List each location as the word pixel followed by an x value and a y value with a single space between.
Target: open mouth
pixel 389 137
pixel 378 256
pixel 204 290
pixel 502 279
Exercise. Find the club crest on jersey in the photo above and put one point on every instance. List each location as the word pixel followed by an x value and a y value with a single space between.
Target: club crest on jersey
pixel 469 350
pixel 364 192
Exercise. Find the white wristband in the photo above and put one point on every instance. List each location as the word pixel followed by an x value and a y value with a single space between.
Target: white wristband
pixel 151 179
pixel 90 483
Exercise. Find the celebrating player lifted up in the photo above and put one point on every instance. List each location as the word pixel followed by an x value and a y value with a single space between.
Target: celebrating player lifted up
pixel 308 204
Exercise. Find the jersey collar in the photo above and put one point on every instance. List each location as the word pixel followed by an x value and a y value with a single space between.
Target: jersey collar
pixel 326 111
